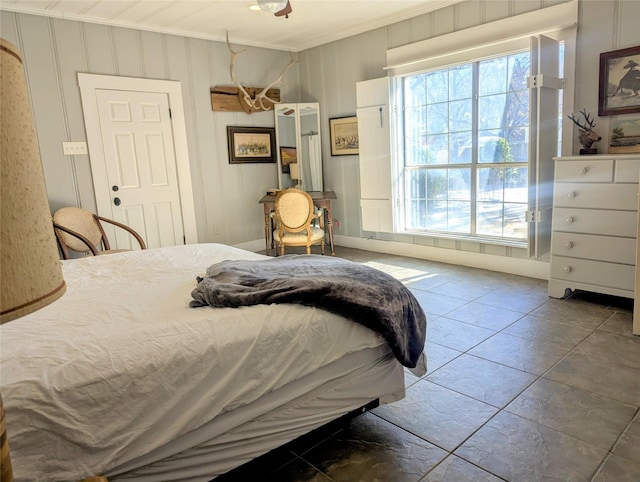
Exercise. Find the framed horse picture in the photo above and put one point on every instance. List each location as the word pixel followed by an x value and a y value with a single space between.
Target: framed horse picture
pixel 619 91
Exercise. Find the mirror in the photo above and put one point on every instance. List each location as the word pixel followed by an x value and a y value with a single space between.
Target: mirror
pixel 298 142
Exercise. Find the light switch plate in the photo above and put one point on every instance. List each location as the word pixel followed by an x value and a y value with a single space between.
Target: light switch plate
pixel 74 148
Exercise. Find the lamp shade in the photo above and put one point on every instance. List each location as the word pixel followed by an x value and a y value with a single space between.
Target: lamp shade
pixel 294 172
pixel 30 270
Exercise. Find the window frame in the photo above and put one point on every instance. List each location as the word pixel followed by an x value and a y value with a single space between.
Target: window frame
pixel 474 166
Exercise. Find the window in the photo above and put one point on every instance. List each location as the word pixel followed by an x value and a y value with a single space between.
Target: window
pixel 474 123
pixel 466 148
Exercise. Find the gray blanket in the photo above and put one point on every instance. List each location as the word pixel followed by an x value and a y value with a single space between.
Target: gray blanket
pixel 355 291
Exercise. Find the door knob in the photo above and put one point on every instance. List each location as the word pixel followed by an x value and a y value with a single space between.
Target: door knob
pixel 114 188
pixel 116 201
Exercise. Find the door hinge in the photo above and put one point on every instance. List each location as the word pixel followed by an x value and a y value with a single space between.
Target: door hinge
pixel 533 216
pixel 170 116
pixel 545 80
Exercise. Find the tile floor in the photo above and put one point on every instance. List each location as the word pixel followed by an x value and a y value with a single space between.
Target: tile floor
pixel 520 387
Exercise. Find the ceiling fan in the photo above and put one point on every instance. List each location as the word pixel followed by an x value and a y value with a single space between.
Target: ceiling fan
pixel 279 8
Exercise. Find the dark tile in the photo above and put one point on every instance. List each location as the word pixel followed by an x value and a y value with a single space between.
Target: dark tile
pixel 466 290
pixel 618 469
pixel 533 286
pixel 582 345
pixel 585 415
pixel 580 313
pixel 520 299
pixel 520 450
pixel 539 329
pixel 606 364
pixel 481 379
pixel 296 471
pixel 455 469
pixel 436 304
pixel 455 334
pixel 531 356
pixel 373 449
pixel 486 316
pixel 619 323
pixel 424 280
pixel 437 414
pixel 628 445
pixel 437 356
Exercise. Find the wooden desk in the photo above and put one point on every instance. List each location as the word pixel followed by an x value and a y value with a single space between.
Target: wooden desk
pixel 321 199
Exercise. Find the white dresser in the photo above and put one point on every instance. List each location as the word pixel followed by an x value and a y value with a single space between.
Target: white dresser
pixel 595 224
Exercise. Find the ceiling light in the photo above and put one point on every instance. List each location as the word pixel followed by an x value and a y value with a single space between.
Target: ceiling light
pixel 272 6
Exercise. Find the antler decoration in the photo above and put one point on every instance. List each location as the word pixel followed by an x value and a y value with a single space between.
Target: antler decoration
pixel 257 103
pixel 590 123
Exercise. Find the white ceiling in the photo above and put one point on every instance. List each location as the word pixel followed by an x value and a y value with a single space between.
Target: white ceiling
pixel 312 23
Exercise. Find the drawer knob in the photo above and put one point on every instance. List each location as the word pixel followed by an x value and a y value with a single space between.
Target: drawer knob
pixel 569 220
pixel 567 269
pixel 568 244
pixel 571 195
pixel 584 170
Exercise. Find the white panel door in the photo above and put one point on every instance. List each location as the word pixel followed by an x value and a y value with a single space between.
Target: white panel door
pixel 140 163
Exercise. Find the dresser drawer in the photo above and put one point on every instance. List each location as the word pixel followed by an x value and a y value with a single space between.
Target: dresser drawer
pixel 596 196
pixel 597 248
pixel 585 171
pixel 627 170
pixel 585 221
pixel 620 276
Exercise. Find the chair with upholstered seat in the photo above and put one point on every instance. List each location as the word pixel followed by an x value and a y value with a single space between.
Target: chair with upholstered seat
pixel 81 231
pixel 294 216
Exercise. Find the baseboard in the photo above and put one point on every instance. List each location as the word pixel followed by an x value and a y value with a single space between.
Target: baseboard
pixel 492 262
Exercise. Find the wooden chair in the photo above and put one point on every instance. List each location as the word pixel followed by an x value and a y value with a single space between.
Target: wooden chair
pixel 81 231
pixel 294 216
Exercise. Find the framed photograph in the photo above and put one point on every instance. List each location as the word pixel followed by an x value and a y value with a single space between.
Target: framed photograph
pixel 619 82
pixel 625 136
pixel 287 156
pixel 343 136
pixel 251 144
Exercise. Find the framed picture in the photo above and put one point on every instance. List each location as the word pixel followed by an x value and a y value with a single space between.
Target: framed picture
pixel 343 136
pixel 251 144
pixel 619 82
pixel 625 136
pixel 287 156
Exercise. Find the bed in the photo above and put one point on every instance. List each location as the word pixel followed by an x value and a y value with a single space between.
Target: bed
pixel 121 378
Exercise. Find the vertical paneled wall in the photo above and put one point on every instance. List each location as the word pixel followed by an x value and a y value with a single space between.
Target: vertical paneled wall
pixel 54 50
pixel 226 195
pixel 328 73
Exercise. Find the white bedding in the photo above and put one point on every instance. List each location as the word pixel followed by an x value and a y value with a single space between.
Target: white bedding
pixel 132 367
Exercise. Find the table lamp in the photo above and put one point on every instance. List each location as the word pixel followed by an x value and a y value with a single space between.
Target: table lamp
pixel 294 173
pixel 30 269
